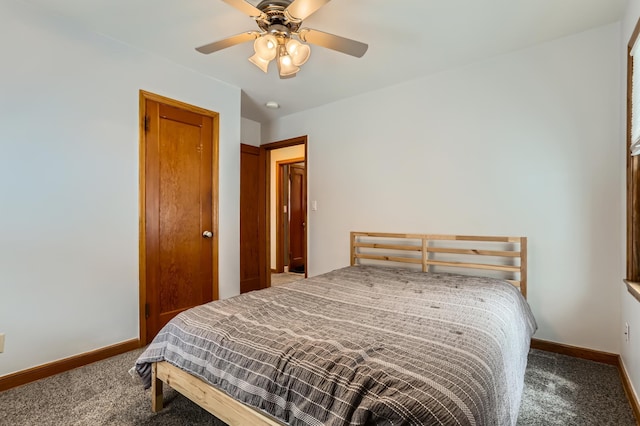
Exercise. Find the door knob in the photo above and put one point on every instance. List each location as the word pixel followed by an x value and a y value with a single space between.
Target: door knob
pixel 207 234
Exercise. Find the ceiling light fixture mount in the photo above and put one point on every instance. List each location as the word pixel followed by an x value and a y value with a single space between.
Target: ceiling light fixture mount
pixel 276 42
pixel 281 38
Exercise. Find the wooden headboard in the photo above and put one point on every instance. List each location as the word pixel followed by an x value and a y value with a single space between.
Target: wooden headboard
pixel 504 257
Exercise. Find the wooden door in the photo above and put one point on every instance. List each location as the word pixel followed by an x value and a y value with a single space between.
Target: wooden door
pixel 179 183
pixel 297 218
pixel 253 231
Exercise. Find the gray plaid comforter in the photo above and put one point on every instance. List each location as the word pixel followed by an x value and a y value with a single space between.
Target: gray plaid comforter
pixel 361 345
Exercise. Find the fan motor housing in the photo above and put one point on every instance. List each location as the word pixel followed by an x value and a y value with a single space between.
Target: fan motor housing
pixel 275 11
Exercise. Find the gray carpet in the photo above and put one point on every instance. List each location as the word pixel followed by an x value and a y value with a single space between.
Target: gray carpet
pixel 559 390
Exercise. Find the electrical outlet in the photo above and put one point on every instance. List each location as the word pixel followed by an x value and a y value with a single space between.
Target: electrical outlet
pixel 626 332
pixel 1 342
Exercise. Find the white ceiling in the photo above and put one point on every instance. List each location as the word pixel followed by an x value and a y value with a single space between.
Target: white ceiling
pixel 407 39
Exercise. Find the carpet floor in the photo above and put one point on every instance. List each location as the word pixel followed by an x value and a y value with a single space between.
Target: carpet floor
pixel 559 390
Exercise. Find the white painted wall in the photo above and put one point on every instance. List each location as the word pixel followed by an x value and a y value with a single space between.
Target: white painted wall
pixel 630 352
pixel 69 183
pixel 522 144
pixel 250 132
pixel 281 154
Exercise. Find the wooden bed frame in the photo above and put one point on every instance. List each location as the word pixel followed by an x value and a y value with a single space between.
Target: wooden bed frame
pixel 506 255
pixel 432 253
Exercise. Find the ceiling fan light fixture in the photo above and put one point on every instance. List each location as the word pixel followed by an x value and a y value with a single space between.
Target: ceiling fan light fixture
pixel 266 47
pixel 286 71
pixel 281 36
pixel 286 67
pixel 263 64
pixel 299 52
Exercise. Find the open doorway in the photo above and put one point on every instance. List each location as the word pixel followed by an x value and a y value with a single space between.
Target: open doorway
pixel 288 210
pixel 290 230
pixel 263 215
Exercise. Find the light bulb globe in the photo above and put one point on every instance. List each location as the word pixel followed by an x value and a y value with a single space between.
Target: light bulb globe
pixel 299 52
pixel 266 47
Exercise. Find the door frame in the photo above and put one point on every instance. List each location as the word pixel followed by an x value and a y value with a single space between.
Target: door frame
pixel 143 97
pixel 300 140
pixel 280 211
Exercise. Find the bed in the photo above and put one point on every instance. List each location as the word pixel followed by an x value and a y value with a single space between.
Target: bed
pixel 399 337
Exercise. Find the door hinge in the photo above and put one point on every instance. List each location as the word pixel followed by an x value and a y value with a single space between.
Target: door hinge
pixel 146 310
pixel 147 124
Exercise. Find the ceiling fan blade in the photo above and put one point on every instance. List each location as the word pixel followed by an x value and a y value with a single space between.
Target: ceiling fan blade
pixel 300 10
pixel 244 7
pixel 334 42
pixel 228 42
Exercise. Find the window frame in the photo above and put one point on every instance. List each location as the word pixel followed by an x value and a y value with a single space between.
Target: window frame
pixel 633 182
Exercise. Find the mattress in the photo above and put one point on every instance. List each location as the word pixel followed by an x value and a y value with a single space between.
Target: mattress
pixel 361 345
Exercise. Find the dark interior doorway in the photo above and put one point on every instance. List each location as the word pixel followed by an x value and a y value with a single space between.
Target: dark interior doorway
pixel 291 199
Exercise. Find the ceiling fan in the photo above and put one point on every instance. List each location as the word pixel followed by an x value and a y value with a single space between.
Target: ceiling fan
pixel 280 35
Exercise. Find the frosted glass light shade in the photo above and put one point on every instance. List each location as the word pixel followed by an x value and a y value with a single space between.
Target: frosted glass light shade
pixel 299 52
pixel 286 65
pixel 266 47
pixel 259 62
